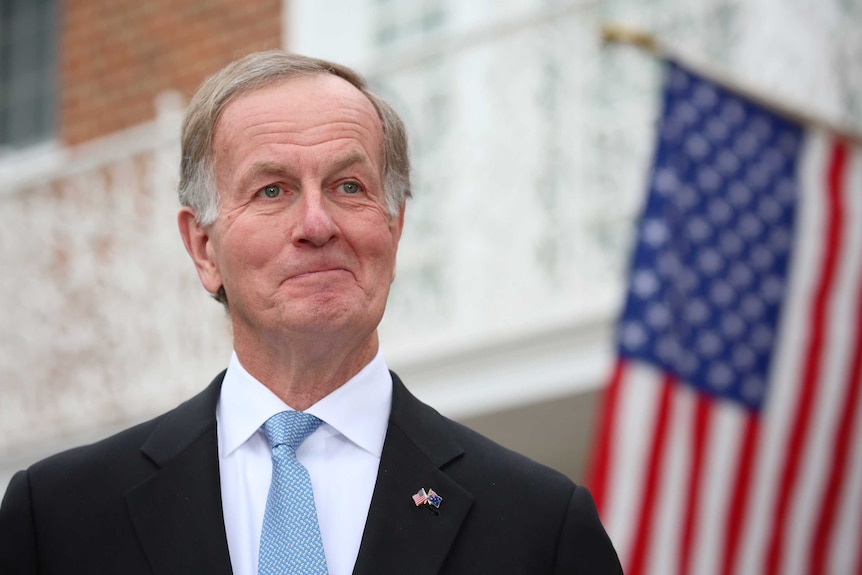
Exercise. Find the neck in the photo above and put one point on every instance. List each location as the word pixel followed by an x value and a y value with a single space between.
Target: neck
pixel 303 372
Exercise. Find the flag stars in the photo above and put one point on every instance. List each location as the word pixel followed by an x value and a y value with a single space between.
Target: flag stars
pixel 717 131
pixel 743 358
pixel 752 307
pixel 645 283
pixel 772 289
pixel 633 335
pixel 745 145
pixel 686 198
pixel 667 349
pixel 750 226
pixel 709 344
pixel 741 276
pixel 769 210
pixel 761 128
pixel 697 311
pixel 665 181
pixel 657 316
pixel 727 162
pixel 757 177
pixel 721 376
pixel 762 258
pixel 739 195
pixel 731 244
pixel 697 147
pixel 709 179
pixel 710 261
pixel 678 81
pixel 733 112
pixel 722 294
pixel 699 229
pixel 733 326
pixel 719 211
pixel 686 113
pixel 704 96
pixel 655 232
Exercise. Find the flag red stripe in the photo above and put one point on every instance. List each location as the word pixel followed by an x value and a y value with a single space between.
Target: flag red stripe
pixel 598 481
pixel 802 415
pixel 820 545
pixel 702 420
pixel 741 488
pixel 655 469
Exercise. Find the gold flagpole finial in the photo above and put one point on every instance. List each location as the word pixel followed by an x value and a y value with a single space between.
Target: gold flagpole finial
pixel 622 34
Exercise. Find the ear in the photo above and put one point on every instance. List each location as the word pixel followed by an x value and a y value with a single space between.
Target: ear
pixel 396 226
pixel 199 245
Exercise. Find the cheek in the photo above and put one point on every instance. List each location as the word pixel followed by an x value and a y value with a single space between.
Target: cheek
pixel 251 249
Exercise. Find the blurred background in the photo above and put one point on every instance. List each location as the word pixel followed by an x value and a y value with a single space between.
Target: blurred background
pixel 531 142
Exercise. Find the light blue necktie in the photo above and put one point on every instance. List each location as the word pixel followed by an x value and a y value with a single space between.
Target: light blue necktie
pixel 290 542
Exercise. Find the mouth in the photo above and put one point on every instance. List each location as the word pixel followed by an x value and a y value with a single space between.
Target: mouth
pixel 318 273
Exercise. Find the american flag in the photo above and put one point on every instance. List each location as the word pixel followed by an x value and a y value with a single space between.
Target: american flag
pixel 731 440
pixel 420 497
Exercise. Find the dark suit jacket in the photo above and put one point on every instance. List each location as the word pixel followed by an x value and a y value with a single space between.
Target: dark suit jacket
pixel 148 500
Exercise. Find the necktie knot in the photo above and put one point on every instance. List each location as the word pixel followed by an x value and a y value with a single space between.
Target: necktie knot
pixel 290 428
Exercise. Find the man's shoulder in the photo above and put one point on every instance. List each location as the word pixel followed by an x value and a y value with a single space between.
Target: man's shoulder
pixel 126 452
pixel 478 457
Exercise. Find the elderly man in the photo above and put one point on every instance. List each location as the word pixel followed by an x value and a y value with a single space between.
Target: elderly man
pixel 306 455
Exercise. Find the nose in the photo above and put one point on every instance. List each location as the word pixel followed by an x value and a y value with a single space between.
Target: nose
pixel 315 224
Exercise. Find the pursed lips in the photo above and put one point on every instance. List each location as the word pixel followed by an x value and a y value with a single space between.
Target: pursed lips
pixel 316 271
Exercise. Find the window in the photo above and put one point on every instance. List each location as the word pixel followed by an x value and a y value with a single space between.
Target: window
pixel 28 55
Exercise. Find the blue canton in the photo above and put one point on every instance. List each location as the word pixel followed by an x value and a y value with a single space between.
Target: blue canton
pixel 714 241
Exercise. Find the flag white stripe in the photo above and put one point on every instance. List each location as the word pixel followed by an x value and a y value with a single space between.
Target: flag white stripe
pixel 635 423
pixel 723 448
pixel 846 544
pixel 846 548
pixel 673 489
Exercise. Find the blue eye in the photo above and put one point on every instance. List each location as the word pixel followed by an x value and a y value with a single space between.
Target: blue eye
pixel 350 187
pixel 271 191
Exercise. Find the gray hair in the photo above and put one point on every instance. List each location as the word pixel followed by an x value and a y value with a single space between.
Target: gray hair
pixel 197 188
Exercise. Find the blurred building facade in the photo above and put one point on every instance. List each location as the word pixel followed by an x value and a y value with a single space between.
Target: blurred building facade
pixel 531 141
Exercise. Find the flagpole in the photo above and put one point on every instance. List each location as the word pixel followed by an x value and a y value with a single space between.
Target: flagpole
pixel 650 43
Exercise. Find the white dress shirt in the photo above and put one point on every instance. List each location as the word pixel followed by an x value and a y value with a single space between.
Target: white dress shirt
pixel 342 457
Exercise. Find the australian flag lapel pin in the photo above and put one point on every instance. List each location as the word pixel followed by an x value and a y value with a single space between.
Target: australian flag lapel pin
pixel 434 499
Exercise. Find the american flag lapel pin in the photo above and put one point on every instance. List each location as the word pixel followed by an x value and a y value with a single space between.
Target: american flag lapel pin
pixel 420 497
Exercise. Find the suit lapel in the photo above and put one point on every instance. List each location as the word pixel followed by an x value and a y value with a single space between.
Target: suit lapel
pixel 177 511
pixel 400 537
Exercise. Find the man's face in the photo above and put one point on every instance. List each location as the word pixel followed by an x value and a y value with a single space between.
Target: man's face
pixel 303 244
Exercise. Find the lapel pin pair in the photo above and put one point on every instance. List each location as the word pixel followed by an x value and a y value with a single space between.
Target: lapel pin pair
pixel 429 497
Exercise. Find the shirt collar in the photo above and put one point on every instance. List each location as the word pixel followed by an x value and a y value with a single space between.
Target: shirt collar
pixel 358 410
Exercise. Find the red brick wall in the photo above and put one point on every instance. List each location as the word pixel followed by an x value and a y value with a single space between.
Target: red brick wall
pixel 116 55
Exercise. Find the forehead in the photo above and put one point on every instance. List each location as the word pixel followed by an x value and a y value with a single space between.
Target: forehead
pixel 308 109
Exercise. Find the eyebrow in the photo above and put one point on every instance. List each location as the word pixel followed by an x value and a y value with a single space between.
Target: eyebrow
pixel 350 159
pixel 269 168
